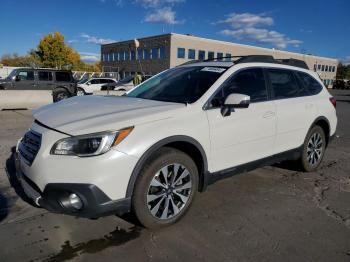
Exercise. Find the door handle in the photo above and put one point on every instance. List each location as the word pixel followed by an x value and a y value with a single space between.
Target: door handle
pixel 269 114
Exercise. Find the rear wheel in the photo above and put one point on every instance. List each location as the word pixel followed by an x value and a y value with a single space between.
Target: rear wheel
pixel 60 94
pixel 313 149
pixel 165 188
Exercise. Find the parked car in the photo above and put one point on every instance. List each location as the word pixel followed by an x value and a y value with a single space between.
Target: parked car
pixel 124 84
pixel 151 150
pixel 88 86
pixel 61 82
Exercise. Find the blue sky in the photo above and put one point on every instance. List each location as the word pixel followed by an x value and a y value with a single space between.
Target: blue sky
pixel 318 27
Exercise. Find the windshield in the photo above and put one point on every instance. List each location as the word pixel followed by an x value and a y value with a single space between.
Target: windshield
pixel 180 84
pixel 12 74
pixel 126 79
pixel 83 81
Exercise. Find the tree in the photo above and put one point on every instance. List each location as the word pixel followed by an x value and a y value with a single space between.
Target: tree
pixel 51 52
pixel 343 71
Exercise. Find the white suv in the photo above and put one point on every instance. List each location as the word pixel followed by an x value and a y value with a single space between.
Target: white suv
pixel 151 150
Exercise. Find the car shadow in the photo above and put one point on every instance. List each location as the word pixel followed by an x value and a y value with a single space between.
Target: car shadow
pixel 12 177
pixel 291 165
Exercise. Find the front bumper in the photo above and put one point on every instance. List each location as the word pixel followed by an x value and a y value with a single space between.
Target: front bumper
pixel 95 203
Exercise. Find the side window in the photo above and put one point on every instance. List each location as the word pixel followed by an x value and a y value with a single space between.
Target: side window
pixel 63 77
pixel 248 82
pixel 283 83
pixel 26 75
pixel 44 76
pixel 311 84
pixel 103 81
pixel 95 81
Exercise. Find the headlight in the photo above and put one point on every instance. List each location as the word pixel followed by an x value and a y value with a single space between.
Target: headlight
pixel 89 145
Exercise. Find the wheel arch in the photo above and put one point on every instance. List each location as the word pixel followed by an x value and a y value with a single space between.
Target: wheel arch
pixel 324 123
pixel 185 144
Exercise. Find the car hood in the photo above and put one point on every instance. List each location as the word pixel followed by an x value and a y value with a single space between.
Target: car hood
pixel 89 114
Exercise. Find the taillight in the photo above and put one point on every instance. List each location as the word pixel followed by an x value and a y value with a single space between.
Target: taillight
pixel 333 101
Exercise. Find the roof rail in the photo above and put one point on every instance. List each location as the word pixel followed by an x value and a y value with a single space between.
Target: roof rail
pixel 254 59
pixel 294 62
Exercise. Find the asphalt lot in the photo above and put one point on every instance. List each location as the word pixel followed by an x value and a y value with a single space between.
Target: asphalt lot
pixel 270 214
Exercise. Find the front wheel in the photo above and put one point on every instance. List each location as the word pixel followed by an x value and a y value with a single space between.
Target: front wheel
pixel 313 149
pixel 165 188
pixel 80 91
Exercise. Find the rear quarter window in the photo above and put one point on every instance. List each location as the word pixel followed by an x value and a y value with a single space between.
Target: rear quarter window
pixel 63 77
pixel 310 83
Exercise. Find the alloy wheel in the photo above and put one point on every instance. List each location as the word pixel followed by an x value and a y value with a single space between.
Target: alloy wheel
pixel 169 191
pixel 314 149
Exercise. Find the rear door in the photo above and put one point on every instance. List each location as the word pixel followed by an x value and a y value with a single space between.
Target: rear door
pixel 248 133
pixel 294 107
pixel 45 80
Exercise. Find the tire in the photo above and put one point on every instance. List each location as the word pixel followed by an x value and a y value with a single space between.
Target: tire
pixel 60 94
pixel 80 92
pixel 156 205
pixel 313 149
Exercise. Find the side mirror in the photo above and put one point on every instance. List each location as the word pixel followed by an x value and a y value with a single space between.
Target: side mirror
pixel 234 101
pixel 17 78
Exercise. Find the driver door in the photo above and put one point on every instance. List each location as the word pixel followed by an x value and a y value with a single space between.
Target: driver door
pixel 248 133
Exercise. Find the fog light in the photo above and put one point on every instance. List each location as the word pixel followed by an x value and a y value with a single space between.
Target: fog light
pixel 75 201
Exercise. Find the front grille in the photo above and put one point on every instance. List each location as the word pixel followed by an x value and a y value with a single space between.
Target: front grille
pixel 29 146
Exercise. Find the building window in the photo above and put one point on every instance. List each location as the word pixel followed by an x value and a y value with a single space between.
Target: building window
pixel 132 55
pixel 228 57
pixel 161 52
pixel 191 54
pixel 210 55
pixel 219 56
pixel 127 55
pixel 326 68
pixel 318 67
pixel 146 54
pixel 155 53
pixel 116 56
pixel 201 55
pixel 140 54
pixel 322 68
pixel 181 52
pixel 121 56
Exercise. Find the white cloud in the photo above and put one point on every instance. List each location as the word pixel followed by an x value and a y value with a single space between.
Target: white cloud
pixel 246 20
pixel 95 40
pixel 164 15
pixel 155 3
pixel 261 36
pixel 89 57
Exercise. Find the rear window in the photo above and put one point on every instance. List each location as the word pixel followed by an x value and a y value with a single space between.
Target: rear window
pixel 311 84
pixel 44 76
pixel 63 77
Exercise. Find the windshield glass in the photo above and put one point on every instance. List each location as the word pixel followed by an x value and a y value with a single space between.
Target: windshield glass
pixel 12 74
pixel 83 81
pixel 180 84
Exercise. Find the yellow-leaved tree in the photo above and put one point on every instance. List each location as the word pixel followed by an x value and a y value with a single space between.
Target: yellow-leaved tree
pixel 53 52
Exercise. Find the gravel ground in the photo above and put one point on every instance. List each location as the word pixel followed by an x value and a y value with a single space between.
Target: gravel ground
pixel 270 214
